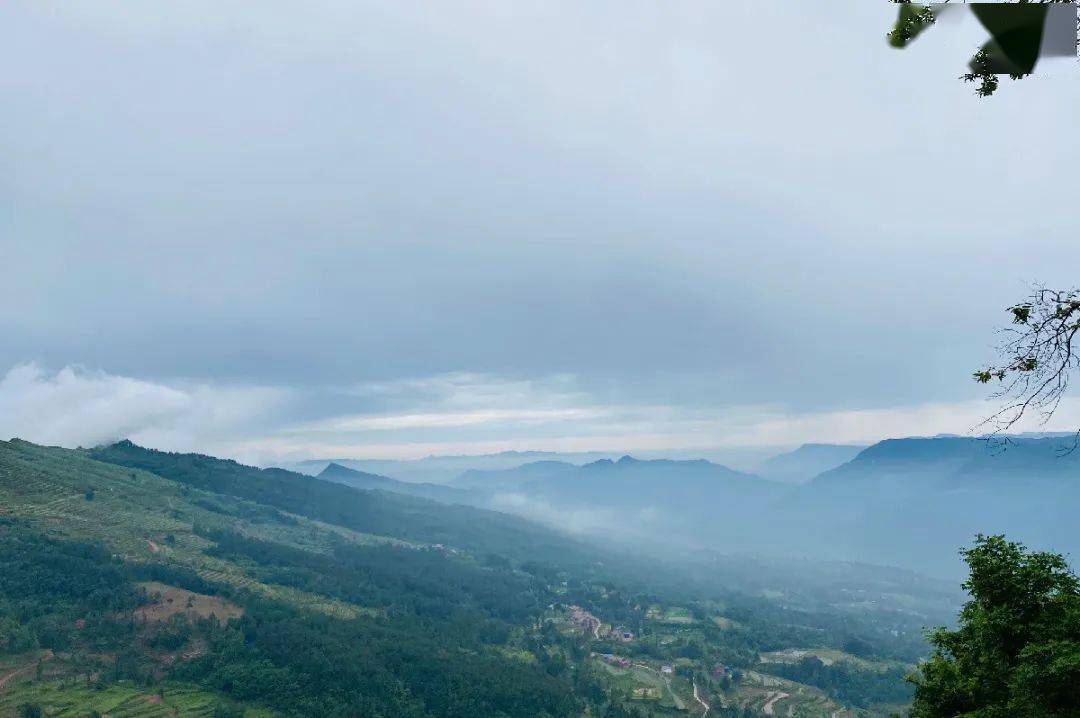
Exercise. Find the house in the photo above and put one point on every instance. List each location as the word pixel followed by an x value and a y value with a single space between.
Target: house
pixel 667 670
pixel 584 620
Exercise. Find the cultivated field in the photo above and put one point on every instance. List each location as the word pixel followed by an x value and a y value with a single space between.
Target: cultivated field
pixel 76 699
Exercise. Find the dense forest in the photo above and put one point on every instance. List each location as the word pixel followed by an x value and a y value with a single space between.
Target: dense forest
pixel 211 588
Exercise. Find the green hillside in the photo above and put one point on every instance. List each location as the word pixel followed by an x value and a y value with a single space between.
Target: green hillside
pixel 141 583
pixel 376 512
pixel 428 606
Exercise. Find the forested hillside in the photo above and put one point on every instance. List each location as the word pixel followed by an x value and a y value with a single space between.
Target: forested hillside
pixel 375 512
pixel 171 584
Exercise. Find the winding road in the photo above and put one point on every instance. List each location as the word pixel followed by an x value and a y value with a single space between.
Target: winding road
pixel 698 699
pixel 767 709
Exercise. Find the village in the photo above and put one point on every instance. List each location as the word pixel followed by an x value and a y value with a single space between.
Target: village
pixel 589 623
pixel 680 685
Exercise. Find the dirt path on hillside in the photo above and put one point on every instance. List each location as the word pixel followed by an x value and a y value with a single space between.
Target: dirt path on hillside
pixel 767 709
pixel 8 677
pixel 698 699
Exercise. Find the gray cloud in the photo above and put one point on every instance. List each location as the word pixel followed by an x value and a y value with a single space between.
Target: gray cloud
pixel 446 414
pixel 631 194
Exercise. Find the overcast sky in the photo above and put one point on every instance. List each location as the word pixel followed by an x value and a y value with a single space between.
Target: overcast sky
pixel 279 230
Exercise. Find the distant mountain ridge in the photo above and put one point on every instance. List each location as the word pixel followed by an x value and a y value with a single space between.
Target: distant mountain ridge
pixel 675 501
pixel 905 502
pixel 503 479
pixel 908 502
pixel 959 460
pixel 445 469
pixel 363 480
pixel 915 501
pixel 807 461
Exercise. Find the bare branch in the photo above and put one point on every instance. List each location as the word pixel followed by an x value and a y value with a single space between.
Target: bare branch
pixel 1039 357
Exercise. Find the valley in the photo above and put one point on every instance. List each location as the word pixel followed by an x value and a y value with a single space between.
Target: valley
pixel 905 503
pixel 146 583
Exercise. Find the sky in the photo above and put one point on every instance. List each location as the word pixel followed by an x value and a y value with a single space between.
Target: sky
pixel 386 229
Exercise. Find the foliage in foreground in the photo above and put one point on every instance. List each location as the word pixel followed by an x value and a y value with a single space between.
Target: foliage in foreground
pixel 1016 652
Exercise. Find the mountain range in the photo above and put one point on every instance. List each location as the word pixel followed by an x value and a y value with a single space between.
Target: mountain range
pixel 136 582
pixel 443 469
pixel 906 502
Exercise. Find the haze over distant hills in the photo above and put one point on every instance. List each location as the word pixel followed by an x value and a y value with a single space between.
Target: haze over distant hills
pixel 443 469
pixel 362 480
pixel 807 461
pixel 913 502
pixel 904 502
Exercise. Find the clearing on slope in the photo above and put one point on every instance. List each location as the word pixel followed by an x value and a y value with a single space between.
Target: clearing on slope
pixel 167 601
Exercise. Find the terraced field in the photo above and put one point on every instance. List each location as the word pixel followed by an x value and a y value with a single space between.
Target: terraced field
pixel 76 699
pixel 769 695
pixel 644 683
pixel 828 656
pixel 757 691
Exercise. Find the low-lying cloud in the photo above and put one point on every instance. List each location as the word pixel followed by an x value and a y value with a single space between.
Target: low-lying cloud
pixel 82 407
pixel 458 413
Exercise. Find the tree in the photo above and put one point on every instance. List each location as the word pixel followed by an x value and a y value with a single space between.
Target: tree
pixel 1017 33
pixel 1016 652
pixel 30 710
pixel 1038 356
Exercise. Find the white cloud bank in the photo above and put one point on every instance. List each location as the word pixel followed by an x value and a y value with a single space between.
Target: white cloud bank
pixel 447 414
pixel 79 407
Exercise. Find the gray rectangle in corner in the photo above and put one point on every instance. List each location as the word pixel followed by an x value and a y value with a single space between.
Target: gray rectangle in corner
pixel 1059 35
